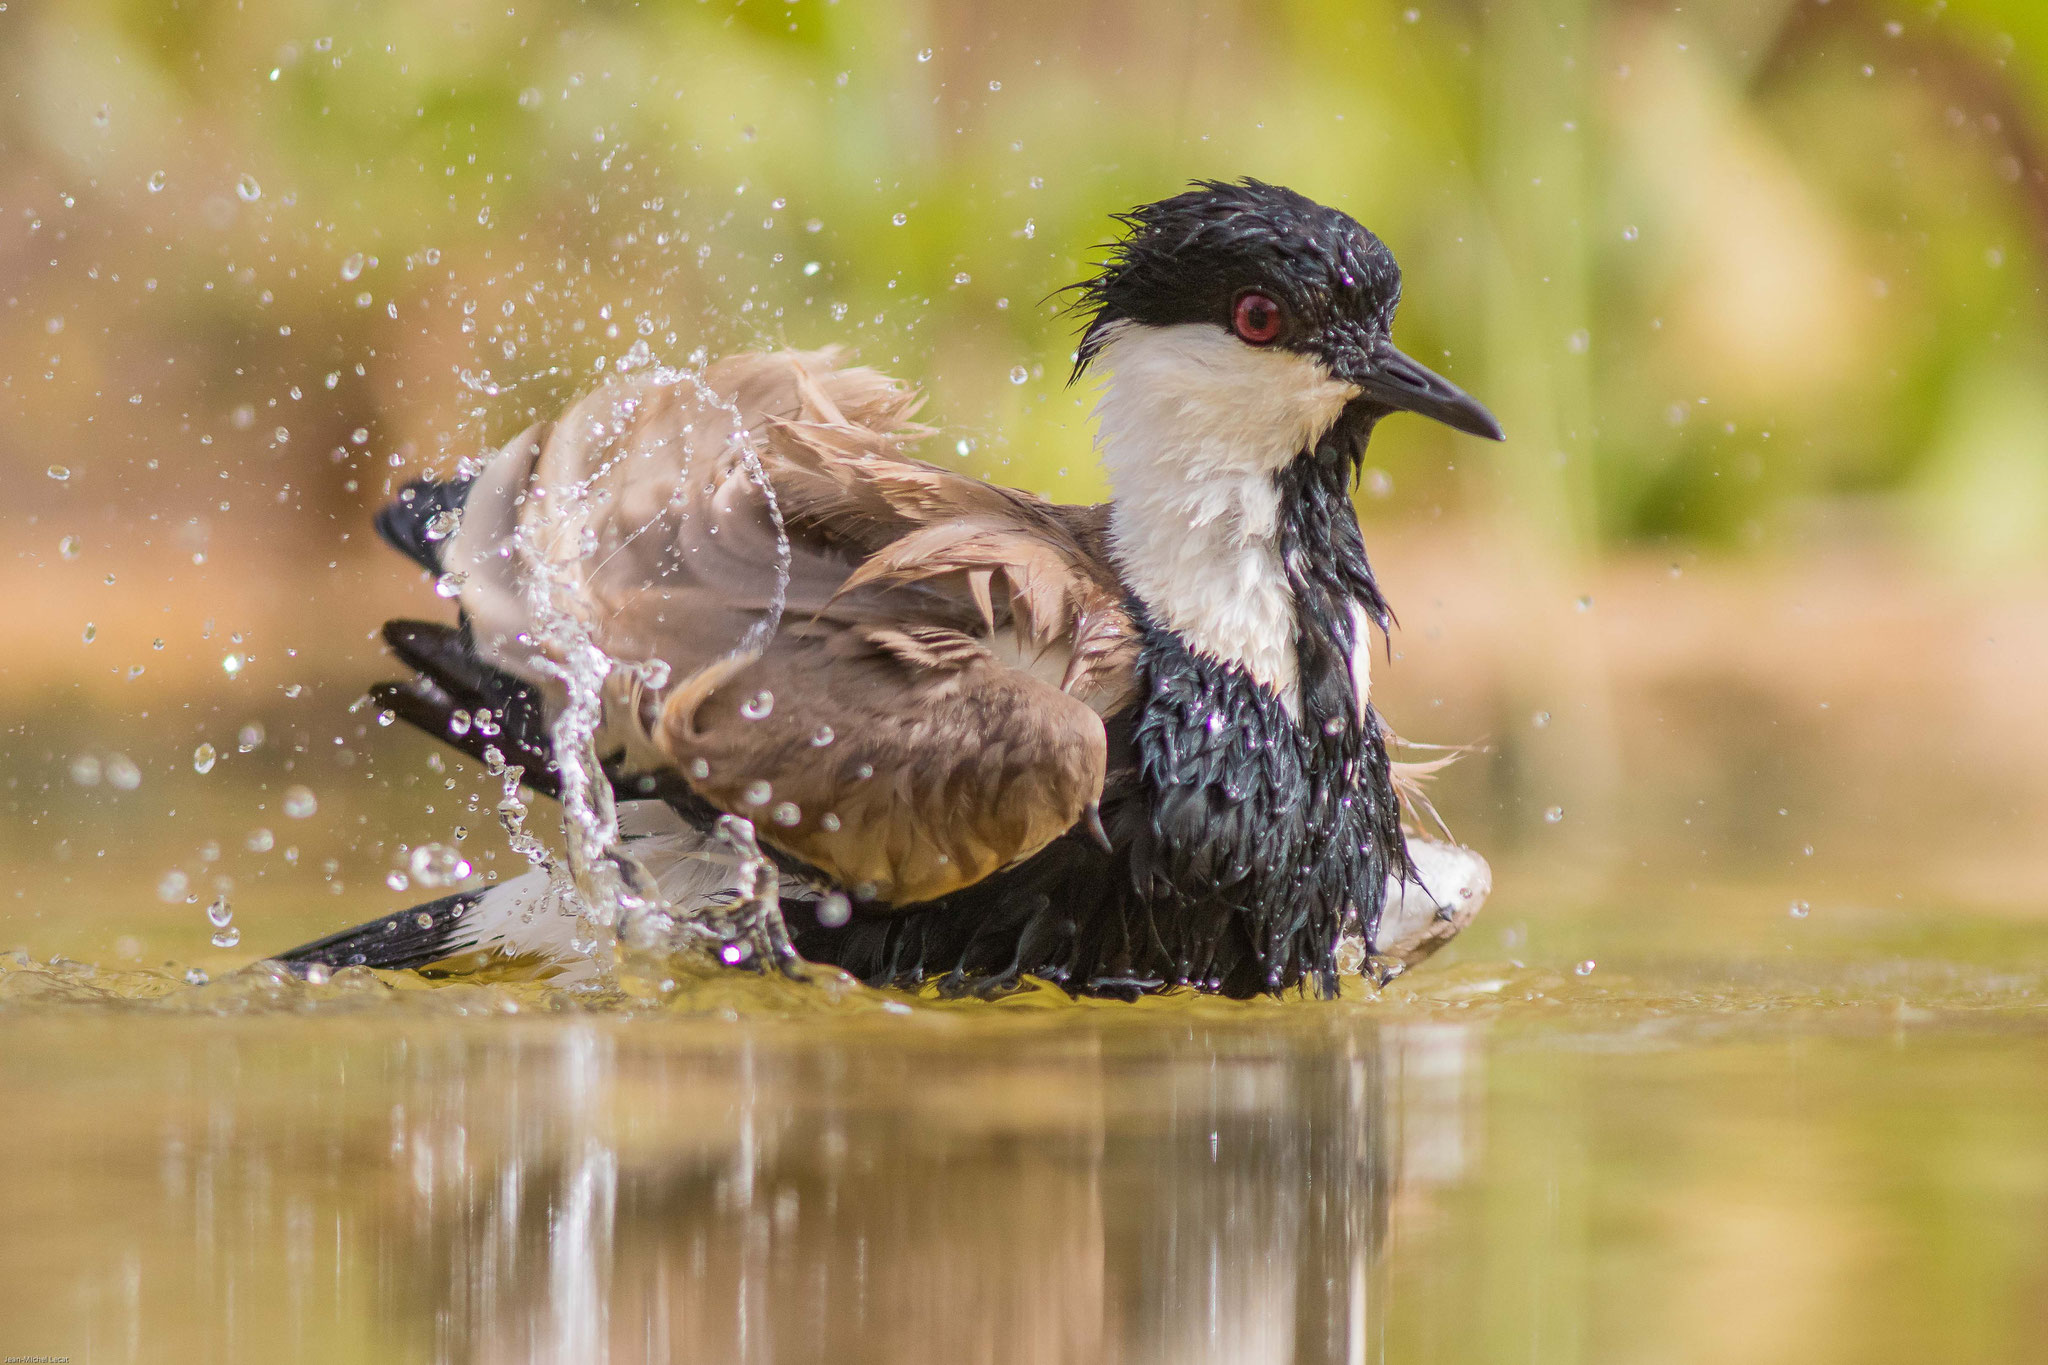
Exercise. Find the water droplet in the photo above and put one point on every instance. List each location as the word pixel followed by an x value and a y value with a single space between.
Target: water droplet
pixel 90 631
pixel 757 793
pixel 248 190
pixel 172 886
pixel 1629 234
pixel 1799 909
pixel 352 265
pixel 1018 374
pixel 458 722
pixel 317 973
pixel 299 802
pixel 1585 604
pixel 1541 720
pixel 759 705
pixel 58 472
pixel 962 277
pixel 924 54
pixel 203 759
pixel 1334 726
pixel 85 770
pixel 834 910
pixel 250 737
pixel 1586 968
pixel 194 976
pixel 397 881
pixel 157 643
pixel 260 841
pixel 732 954
pixel 231 664
pixel 218 914
pixel 1554 814
pixel 899 219
pixel 227 938
pixel 822 736
pixel 699 769
pixel 156 181
pixel 829 822
pixel 787 814
pixel 811 268
pixel 530 97
pixel 122 772
pixel 437 865
pixel 69 547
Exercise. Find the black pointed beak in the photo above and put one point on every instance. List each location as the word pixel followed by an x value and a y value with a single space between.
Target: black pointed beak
pixel 1391 380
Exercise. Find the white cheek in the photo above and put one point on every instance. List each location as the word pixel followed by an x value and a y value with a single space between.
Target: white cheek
pixel 1197 396
pixel 1194 425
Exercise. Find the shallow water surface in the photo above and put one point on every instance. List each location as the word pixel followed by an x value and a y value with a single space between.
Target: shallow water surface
pixel 1816 1162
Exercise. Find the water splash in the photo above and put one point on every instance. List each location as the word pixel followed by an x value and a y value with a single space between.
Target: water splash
pixel 621 911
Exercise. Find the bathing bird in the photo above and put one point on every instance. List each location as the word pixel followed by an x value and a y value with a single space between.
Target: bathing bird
pixel 972 734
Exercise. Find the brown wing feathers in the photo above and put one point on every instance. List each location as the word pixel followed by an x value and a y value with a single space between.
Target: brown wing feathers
pixel 885 734
pixel 918 522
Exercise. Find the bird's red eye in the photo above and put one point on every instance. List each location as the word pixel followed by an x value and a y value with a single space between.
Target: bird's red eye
pixel 1256 318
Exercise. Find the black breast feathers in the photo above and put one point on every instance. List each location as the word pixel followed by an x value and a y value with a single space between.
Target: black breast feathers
pixel 1245 835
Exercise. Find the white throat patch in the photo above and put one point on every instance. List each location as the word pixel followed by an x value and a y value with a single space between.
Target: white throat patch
pixel 1193 425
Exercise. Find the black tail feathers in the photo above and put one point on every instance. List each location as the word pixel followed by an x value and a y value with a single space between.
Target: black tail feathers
pixel 410 938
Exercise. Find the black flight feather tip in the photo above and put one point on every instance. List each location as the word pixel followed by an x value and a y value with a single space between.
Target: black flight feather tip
pixel 416 523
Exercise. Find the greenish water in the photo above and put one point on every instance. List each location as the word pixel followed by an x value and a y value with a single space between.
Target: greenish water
pixel 1816 1152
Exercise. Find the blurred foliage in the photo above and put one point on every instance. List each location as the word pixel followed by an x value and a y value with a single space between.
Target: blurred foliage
pixel 1715 266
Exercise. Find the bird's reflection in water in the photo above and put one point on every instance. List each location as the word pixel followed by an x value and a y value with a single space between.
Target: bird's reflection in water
pixel 1199 1195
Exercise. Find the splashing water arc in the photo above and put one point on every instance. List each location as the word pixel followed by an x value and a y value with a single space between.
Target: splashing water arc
pixel 617 902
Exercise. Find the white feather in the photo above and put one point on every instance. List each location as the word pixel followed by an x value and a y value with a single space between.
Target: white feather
pixel 521 918
pixel 1361 656
pixel 1451 883
pixel 1193 426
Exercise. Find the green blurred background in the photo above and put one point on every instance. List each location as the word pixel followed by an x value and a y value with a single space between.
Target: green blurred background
pixel 1748 621
pixel 1751 607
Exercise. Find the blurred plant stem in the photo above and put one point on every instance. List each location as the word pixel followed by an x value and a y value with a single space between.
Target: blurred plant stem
pixel 1535 185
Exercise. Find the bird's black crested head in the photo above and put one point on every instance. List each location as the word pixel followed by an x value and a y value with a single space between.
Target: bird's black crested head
pixel 1192 258
pixel 1278 271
